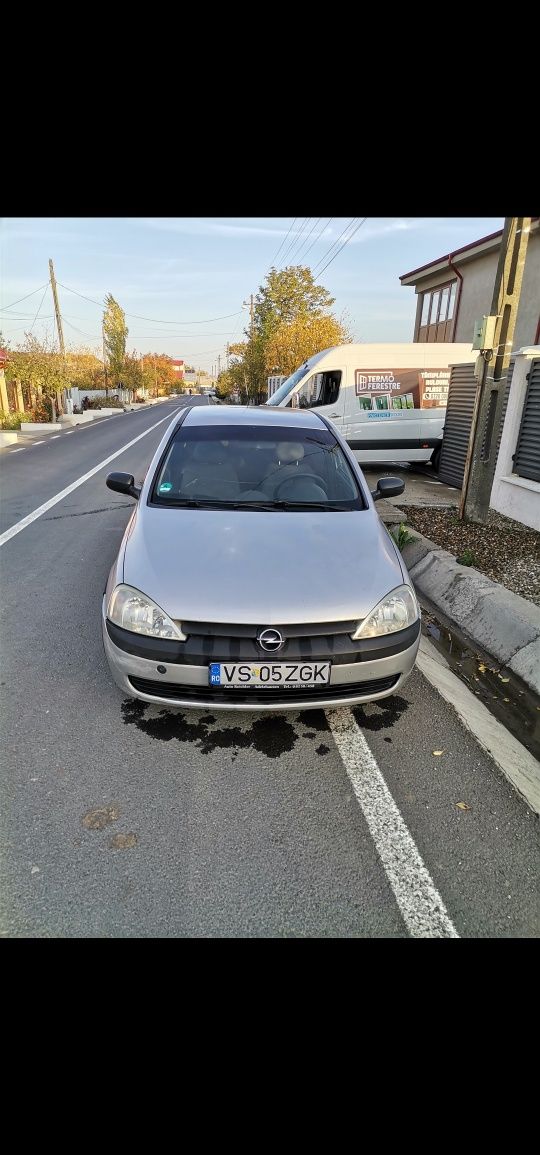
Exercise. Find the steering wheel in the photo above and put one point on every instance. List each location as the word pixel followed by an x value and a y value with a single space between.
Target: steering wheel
pixel 312 477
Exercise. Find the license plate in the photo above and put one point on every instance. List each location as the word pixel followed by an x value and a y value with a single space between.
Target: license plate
pixel 269 675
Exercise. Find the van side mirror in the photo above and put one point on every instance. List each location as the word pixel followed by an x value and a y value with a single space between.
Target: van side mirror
pixel 123 483
pixel 388 487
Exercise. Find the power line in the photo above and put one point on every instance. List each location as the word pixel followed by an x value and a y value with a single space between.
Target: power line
pixel 27 296
pixel 93 336
pixel 155 320
pixel 336 243
pixel 314 242
pixel 22 316
pixel 312 230
pixel 359 226
pixel 39 310
pixel 291 246
pixel 284 241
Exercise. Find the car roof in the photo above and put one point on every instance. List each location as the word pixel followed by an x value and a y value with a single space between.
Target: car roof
pixel 252 415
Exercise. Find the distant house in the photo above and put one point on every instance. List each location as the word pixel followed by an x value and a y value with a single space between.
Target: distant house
pixel 456 290
pixel 178 367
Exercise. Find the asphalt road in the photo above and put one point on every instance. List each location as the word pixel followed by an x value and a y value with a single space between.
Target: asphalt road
pixel 126 820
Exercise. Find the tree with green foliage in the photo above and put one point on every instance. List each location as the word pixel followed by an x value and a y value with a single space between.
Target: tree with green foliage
pixel 289 294
pixel 291 303
pixel 294 341
pixel 115 333
pixel 40 369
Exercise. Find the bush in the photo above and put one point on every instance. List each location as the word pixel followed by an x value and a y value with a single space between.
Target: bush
pixel 13 420
pixel 42 410
pixel 103 402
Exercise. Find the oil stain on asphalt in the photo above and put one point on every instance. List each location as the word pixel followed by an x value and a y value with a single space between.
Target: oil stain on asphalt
pixel 271 736
pixel 100 817
pixel 385 713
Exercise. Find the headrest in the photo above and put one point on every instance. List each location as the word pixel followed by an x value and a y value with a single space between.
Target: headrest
pixel 211 452
pixel 290 451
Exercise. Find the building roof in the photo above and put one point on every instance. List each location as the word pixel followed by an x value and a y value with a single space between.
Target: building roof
pixel 474 249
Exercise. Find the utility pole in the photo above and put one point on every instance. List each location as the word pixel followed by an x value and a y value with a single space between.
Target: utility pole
pixel 104 359
pixel 492 368
pixel 218 364
pixel 227 356
pixel 250 307
pixel 59 327
pixel 155 378
pixel 57 311
pixel 142 374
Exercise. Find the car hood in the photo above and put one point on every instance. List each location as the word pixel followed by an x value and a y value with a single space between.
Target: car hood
pixel 262 568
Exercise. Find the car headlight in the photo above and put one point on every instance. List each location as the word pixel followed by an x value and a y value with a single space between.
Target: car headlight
pixel 396 611
pixel 132 610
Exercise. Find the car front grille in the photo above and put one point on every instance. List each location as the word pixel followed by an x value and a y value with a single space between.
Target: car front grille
pixel 173 690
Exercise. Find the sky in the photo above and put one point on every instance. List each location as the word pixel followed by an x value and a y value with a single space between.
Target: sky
pixel 182 281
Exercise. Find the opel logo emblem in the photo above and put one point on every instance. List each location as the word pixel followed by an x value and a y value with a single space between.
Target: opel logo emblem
pixel 270 640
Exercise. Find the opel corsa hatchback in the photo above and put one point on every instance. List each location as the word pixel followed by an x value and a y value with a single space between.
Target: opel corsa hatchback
pixel 255 572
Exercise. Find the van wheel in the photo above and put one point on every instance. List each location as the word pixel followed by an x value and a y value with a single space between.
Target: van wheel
pixel 436 458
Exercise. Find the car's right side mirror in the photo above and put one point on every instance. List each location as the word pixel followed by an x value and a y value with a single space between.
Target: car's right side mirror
pixel 388 487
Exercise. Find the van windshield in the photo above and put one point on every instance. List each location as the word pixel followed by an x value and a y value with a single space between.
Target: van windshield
pixel 287 386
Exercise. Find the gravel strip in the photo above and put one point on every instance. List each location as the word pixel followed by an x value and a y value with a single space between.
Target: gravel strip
pixel 504 550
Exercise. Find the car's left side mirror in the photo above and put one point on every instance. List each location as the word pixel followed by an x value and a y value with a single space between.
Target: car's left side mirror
pixel 388 487
pixel 123 483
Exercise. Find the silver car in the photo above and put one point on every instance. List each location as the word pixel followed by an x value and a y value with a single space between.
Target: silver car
pixel 255 572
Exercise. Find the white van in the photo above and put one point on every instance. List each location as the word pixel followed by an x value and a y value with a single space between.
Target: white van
pixel 388 401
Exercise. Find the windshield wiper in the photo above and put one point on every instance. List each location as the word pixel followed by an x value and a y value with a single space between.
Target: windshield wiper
pixel 307 505
pixel 283 505
pixel 180 503
pixel 210 503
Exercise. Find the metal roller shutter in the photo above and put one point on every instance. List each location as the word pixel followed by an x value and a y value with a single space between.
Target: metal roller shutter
pixel 527 455
pixel 457 425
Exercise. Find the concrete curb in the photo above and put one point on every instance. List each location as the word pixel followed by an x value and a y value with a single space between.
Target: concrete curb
pixel 495 619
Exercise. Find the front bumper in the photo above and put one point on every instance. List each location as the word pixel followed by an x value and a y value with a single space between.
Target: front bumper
pixel 350 683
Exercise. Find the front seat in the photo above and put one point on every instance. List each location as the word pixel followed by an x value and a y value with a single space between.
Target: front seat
pixel 209 473
pixel 290 461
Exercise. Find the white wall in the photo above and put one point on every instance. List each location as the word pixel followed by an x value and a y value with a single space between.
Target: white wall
pixel 78 394
pixel 511 495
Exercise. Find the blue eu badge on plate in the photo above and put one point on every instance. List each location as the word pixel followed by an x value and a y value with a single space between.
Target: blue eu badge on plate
pixel 214 677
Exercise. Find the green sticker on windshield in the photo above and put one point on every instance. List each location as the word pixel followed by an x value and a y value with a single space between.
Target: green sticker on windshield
pixel 165 487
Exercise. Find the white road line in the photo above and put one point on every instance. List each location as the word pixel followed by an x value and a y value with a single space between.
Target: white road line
pixel 20 525
pixel 68 431
pixel 54 436
pixel 418 899
pixel 38 443
pixel 18 450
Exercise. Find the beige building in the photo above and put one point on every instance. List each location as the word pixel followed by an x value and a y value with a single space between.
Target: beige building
pixel 455 290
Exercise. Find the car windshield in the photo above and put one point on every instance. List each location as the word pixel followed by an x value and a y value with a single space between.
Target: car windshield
pixel 255 467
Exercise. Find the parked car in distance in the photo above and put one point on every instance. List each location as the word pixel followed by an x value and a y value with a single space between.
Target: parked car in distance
pixel 255 572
